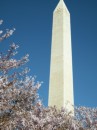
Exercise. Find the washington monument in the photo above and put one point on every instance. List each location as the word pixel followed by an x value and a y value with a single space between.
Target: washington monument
pixel 61 73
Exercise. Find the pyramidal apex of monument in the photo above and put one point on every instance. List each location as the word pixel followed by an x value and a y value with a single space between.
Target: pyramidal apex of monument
pixel 61 6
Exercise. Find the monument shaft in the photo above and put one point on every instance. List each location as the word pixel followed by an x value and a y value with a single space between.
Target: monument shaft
pixel 61 75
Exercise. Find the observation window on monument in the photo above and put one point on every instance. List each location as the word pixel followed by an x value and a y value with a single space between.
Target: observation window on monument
pixel 59 10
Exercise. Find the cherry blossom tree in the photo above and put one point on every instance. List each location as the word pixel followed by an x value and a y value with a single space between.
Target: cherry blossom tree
pixel 18 92
pixel 20 106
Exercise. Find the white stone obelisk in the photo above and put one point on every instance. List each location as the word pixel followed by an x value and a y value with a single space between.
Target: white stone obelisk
pixel 61 75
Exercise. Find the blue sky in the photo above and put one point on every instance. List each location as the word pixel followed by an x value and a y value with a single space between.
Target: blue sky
pixel 33 22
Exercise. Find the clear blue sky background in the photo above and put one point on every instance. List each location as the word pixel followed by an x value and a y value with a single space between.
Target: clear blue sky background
pixel 33 22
